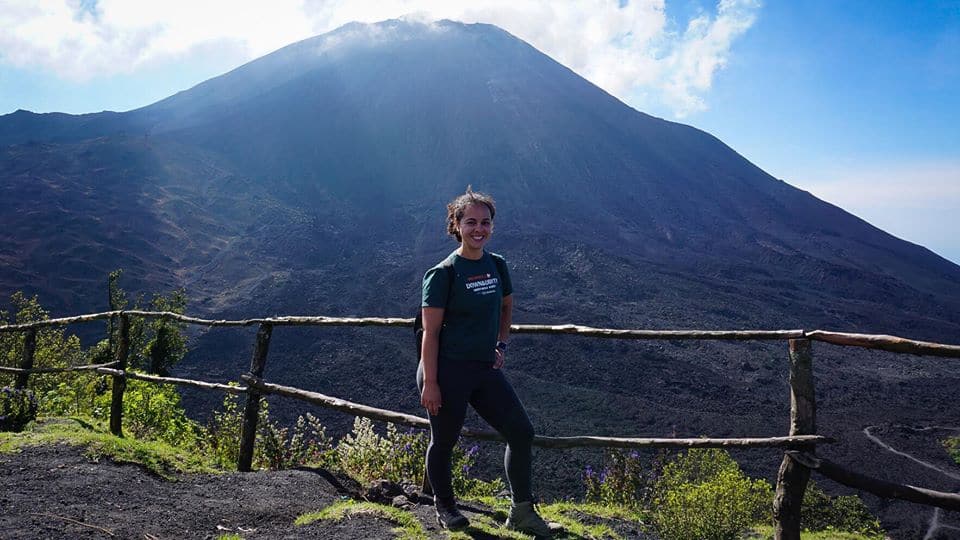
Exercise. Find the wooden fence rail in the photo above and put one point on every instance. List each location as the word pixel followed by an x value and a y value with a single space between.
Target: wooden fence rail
pixel 31 371
pixel 229 388
pixel 870 341
pixel 798 460
pixel 404 419
pixel 881 488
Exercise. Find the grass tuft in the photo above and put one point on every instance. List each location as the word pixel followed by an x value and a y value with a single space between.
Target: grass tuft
pixel 765 532
pixel 583 519
pixel 408 527
pixel 579 520
pixel 158 458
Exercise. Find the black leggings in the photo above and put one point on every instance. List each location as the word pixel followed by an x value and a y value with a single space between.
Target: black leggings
pixel 495 401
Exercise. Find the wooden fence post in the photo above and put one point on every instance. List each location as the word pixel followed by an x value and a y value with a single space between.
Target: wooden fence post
pixel 120 381
pixel 792 477
pixel 248 435
pixel 26 358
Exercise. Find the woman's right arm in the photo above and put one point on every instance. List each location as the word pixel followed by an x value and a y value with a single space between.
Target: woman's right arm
pixel 429 349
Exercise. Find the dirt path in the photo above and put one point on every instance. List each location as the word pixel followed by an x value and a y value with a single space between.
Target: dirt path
pixel 56 492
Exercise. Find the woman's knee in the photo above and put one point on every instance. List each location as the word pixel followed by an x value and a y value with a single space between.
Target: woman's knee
pixel 519 431
pixel 443 444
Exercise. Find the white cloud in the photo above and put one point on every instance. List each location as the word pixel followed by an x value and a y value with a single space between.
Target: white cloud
pixel 702 51
pixel 631 51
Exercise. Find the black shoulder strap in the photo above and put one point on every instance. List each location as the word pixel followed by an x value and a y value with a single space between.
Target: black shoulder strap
pixel 418 320
pixel 451 276
pixel 501 266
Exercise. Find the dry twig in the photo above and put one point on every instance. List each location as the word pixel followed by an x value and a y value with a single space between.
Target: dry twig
pixel 75 522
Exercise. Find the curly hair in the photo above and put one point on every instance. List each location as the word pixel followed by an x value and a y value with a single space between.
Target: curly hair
pixel 457 207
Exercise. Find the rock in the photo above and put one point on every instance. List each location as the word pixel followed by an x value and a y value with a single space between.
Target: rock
pixel 383 491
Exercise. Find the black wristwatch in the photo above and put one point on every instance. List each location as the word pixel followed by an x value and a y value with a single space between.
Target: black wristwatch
pixel 502 345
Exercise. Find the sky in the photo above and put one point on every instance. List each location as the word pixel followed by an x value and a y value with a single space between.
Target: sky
pixel 857 102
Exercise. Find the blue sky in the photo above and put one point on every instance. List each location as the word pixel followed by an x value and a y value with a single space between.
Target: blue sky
pixel 857 102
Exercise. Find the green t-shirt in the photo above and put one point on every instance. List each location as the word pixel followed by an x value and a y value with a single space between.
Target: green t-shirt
pixel 471 317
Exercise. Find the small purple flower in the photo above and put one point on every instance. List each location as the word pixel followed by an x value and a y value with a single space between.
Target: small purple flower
pixel 588 472
pixel 634 455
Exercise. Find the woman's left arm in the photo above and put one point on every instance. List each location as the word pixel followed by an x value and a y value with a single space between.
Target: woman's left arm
pixel 506 318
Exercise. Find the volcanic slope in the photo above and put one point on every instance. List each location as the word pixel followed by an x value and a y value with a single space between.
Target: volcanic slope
pixel 312 181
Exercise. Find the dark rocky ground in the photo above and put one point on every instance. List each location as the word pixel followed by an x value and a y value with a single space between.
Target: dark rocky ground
pixel 57 492
pixel 54 491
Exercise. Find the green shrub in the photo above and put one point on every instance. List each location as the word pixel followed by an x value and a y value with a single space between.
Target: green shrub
pixel 53 348
pixel 221 437
pixel 153 411
pixel 407 451
pixel 363 454
pixel 620 482
pixel 398 456
pixel 703 495
pixel 953 448
pixel 75 394
pixel 307 444
pixel 18 407
pixel 846 513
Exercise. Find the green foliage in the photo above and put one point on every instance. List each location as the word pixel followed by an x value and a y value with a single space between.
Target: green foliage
pixel 156 345
pixel 153 411
pixel 408 526
pixel 847 513
pixel 53 347
pixel 366 456
pixel 465 485
pixel 18 407
pixel 620 482
pixel 703 494
pixel 307 444
pixel 766 532
pixel 398 456
pixel 222 433
pixel 167 346
pixel 953 448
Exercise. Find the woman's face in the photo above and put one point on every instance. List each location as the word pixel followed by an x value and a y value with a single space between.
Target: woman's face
pixel 475 226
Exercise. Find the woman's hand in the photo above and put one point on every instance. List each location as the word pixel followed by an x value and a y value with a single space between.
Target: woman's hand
pixel 501 355
pixel 430 398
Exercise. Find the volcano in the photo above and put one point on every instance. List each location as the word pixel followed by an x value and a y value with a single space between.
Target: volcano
pixel 313 181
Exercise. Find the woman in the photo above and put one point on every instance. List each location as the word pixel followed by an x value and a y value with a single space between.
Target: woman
pixel 466 310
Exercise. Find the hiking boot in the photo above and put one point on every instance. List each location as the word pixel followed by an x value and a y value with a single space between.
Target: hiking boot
pixel 449 517
pixel 524 518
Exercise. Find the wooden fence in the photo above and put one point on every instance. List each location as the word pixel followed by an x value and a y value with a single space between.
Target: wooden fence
pixel 800 444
